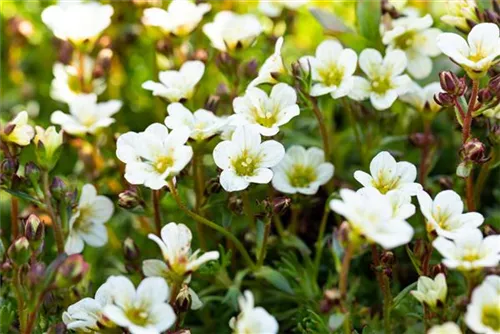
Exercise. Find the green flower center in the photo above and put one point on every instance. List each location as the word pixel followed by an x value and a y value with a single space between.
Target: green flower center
pixel 246 164
pixel 138 316
pixel 162 163
pixel 470 255
pixel 384 184
pixel 331 76
pixel 267 119
pixel 381 84
pixel 405 41
pixel 301 176
pixel 491 316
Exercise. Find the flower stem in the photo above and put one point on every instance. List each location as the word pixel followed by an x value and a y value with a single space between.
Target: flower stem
pixel 81 71
pixel 383 282
pixel 58 232
pixel 198 188
pixel 344 275
pixel 466 130
pixel 34 314
pixel 211 224
pixel 319 240
pixel 247 208
pixel 263 249
pixel 16 282
pixel 157 212
pixel 294 220
pixel 14 217
pixel 424 159
pixel 322 125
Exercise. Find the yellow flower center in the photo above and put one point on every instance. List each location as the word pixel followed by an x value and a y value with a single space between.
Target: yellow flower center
pixel 384 184
pixel 162 163
pixel 405 41
pixel 470 255
pixel 138 316
pixel 331 76
pixel 490 316
pixel 301 176
pixel 268 119
pixel 381 84
pixel 246 164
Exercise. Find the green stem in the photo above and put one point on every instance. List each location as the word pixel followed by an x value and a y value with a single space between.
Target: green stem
pixel 319 240
pixel 321 124
pixel 211 224
pixel 14 217
pixel 58 232
pixel 263 249
pixel 20 298
pixel 198 188
pixel 294 220
pixel 247 208
pixel 344 276
pixel 387 304
pixel 466 131
pixel 157 212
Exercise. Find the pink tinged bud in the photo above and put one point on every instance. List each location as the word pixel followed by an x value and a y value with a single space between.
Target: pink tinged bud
pixel 474 150
pixel 452 84
pixel 484 95
pixel 19 252
pixel 71 271
pixel 130 250
pixel 444 99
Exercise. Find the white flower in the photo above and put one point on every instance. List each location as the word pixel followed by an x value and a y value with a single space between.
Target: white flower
pixel 175 245
pixel 267 113
pixel 445 214
pixel 18 131
pixel 331 70
pixel 87 222
pixel 274 8
pixel 370 214
pixel 385 79
pixel 302 171
pixel 181 18
pixel 431 292
pixel 48 143
pixel 417 39
pixel 476 55
pixel 459 11
pixel 273 64
pixel 86 315
pixel 446 328
pixel 483 312
pixel 77 22
pixel 154 155
pixel 252 319
pixel 245 159
pixel 401 203
pixel 66 84
pixel 86 115
pixel 387 174
pixel 202 123
pixel 179 85
pixel 422 98
pixel 230 31
pixel 469 251
pixel 145 310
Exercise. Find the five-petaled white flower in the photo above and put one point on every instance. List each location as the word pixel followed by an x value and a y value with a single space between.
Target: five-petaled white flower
pixel 87 221
pixel 182 17
pixel 178 85
pixel 402 208
pixel 77 22
pixel 86 315
pixel 446 328
pixel 86 115
pixel 302 171
pixel 145 310
pixel 478 53
pixel 445 214
pixel 331 69
pixel 422 98
pixel 459 12
pixel 18 131
pixel 388 174
pixel 230 31
pixel 483 312
pixel 252 319
pixel 245 159
pixel 266 113
pixel 66 83
pixel 469 250
pixel 274 8
pixel 417 39
pixel 273 64
pixel 385 79
pixel 371 215
pixel 202 123
pixel 431 291
pixel 154 155
pixel 175 245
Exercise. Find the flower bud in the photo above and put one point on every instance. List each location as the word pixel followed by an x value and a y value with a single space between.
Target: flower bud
pixel 212 186
pixel 494 85
pixel 484 95
pixel 130 250
pixel 420 139
pixel 494 135
pixel 19 252
pixel 200 54
pixel 387 258
pixel 331 298
pixel 36 274
pixel 71 271
pixel 296 69
pixel 48 143
pixel 183 300
pixel 10 166
pixel 222 90
pixel 32 172
pixel 451 84
pixel 129 199
pixel 225 62
pixel 473 150
pixel 439 269
pixel 34 229
pixel 235 204
pixel 212 103
pixel 103 63
pixel 281 205
pixel 445 182
pixel 58 188
pixel 489 230
pixel 164 46
pixel 444 99
pixel 251 68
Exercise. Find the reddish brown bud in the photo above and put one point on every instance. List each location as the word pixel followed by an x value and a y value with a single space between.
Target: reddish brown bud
pixel 439 269
pixel 484 95
pixel 444 99
pixel 130 250
pixel 71 271
pixel 473 150
pixel 451 84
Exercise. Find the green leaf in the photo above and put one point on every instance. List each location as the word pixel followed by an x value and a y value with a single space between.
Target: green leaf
pixel 293 241
pixel 275 278
pixel 368 15
pixel 329 22
pixel 24 196
pixel 399 298
pixel 260 227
